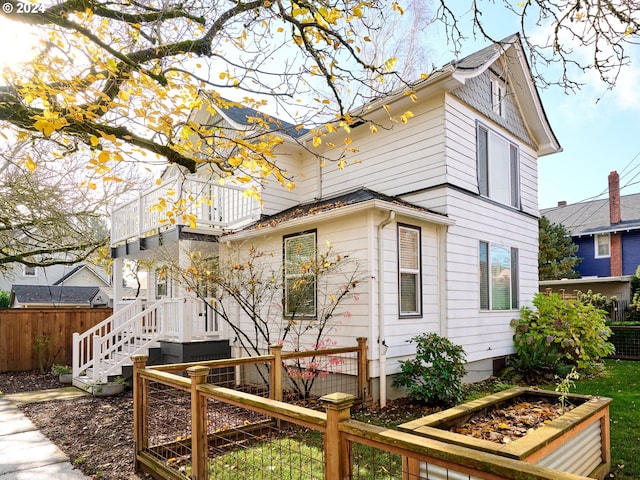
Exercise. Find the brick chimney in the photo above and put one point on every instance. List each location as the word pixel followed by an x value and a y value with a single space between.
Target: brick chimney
pixel 615 218
pixel 614 198
pixel 562 203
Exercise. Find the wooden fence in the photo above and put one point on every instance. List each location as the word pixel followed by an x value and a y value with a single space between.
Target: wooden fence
pixel 187 428
pixel 51 328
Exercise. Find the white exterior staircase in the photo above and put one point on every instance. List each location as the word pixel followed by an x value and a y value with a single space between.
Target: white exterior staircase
pixel 101 352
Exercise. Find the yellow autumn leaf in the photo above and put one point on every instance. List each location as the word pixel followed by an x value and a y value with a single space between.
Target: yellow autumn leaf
pixel 104 156
pixel 316 141
pixel 91 185
pixel 30 164
pixel 95 141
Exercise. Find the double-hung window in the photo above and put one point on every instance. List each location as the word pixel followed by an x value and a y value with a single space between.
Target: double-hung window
pixel 299 275
pixel 498 172
pixel 409 270
pixel 602 245
pixel 498 277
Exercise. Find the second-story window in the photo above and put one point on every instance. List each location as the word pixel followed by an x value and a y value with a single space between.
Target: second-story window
pixel 498 167
pixel 299 275
pixel 29 271
pixel 602 245
pixel 409 270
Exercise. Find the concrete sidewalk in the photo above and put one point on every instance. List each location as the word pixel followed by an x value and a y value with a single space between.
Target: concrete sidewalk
pixel 25 453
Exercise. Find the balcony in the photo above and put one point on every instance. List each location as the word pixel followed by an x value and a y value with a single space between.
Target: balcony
pixel 189 201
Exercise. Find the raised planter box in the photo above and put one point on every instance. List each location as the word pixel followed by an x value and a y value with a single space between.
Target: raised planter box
pixel 576 442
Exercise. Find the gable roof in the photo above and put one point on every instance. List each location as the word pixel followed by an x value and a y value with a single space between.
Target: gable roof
pixel 52 295
pixel 588 218
pixel 450 76
pixel 76 271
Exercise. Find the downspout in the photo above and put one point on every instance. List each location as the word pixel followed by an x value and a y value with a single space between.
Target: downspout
pixel 382 345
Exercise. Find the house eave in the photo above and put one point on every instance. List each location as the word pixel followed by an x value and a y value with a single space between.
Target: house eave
pixel 565 281
pixel 374 204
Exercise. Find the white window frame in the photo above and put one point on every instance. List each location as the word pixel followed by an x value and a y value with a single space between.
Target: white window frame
pixel 497 155
pixel 28 271
pixel 495 279
pixel 410 264
pixel 162 281
pixel 596 245
pixel 290 273
pixel 498 94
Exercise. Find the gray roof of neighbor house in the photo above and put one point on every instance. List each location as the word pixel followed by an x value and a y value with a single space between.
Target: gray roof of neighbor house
pixel 587 218
pixel 52 295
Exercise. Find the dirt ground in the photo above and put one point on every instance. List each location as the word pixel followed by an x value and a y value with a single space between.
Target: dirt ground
pixel 95 433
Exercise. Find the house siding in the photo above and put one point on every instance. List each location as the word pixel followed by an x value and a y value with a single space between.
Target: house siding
pixel 408 157
pixel 630 252
pixel 601 267
pixel 591 266
pixel 477 94
pixel 356 236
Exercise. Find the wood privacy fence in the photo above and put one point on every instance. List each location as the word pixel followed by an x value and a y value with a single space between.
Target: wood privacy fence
pixel 51 328
pixel 186 427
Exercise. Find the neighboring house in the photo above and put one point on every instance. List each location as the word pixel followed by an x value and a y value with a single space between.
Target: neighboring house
pixel 607 233
pixel 54 296
pixel 441 212
pixel 81 275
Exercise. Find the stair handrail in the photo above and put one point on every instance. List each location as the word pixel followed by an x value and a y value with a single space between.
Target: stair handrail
pixel 131 333
pixel 82 342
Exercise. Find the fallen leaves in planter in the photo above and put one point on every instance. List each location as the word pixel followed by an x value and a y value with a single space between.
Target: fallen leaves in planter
pixel 506 423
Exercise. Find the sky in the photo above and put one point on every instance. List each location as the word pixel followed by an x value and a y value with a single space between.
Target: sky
pixel 598 130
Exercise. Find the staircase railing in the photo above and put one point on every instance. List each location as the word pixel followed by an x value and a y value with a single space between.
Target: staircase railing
pixel 105 348
pixel 113 350
pixel 83 342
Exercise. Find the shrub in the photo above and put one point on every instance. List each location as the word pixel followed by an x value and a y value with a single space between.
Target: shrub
pixel 4 299
pixel 434 376
pixel 562 332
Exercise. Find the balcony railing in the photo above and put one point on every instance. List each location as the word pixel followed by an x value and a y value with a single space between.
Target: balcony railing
pixel 185 201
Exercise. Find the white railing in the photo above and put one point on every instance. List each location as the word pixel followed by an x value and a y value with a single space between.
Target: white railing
pixel 204 324
pixel 104 349
pixel 211 205
pixel 83 342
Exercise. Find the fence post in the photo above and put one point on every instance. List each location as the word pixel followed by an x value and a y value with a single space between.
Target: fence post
pixel 140 412
pixel 337 458
pixel 199 468
pixel 363 371
pixel 276 373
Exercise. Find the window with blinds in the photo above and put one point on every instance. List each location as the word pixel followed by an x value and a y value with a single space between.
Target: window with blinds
pixel 409 271
pixel 299 275
pixel 499 287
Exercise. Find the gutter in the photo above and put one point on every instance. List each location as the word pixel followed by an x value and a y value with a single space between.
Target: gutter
pixel 382 345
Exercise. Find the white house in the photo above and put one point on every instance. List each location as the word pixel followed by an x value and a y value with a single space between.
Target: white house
pixel 441 212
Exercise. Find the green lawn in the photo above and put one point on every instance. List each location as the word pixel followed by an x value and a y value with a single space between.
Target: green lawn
pixel 620 381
